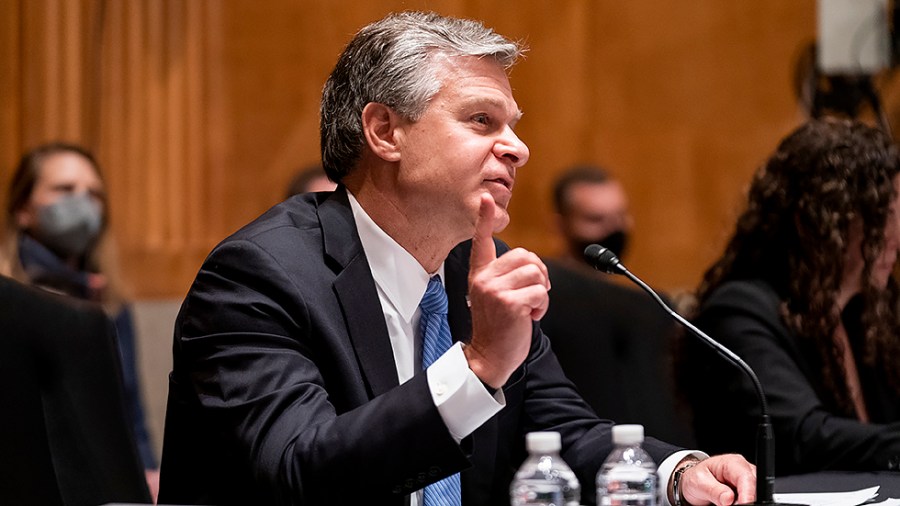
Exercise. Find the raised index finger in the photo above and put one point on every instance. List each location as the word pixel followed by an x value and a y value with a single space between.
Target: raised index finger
pixel 483 249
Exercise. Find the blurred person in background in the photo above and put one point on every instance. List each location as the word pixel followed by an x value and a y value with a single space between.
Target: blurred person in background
pixel 310 179
pixel 612 341
pixel 64 432
pixel 803 293
pixel 591 208
pixel 57 238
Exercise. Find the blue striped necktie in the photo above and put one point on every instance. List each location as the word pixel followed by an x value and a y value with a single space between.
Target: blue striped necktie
pixel 435 341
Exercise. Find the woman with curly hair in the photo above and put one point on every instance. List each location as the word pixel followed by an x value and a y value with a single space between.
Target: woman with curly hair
pixel 804 294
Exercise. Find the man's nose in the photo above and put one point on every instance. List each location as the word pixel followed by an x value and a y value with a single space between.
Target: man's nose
pixel 510 147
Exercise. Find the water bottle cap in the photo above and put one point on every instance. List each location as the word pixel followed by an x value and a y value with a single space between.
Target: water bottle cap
pixel 628 434
pixel 540 442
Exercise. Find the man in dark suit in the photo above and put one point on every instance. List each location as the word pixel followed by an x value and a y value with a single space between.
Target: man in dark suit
pixel 299 351
pixel 614 342
pixel 63 434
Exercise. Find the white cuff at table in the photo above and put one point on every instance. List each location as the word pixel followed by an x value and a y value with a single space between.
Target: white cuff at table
pixel 667 466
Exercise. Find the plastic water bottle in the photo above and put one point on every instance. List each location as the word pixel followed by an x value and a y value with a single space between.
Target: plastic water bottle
pixel 628 477
pixel 544 479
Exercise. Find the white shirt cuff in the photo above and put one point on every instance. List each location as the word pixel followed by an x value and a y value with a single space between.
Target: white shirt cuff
pixel 667 467
pixel 461 399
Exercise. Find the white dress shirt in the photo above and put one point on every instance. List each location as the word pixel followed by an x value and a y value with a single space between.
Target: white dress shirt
pixel 461 399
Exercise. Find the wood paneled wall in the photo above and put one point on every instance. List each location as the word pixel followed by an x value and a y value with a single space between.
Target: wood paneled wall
pixel 139 83
pixel 163 136
pixel 201 110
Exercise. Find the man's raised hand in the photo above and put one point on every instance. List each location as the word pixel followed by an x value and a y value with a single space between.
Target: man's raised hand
pixel 506 294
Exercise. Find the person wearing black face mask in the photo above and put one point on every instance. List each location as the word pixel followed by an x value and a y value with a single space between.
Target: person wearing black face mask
pixel 612 341
pixel 591 208
pixel 55 238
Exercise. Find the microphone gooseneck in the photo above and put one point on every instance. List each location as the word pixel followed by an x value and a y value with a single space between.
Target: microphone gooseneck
pixel 604 260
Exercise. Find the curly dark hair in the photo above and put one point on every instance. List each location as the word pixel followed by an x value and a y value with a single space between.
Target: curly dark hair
pixel 794 234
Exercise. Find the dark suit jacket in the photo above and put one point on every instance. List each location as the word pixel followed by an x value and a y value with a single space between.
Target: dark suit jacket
pixel 64 438
pixel 285 391
pixel 615 344
pixel 809 436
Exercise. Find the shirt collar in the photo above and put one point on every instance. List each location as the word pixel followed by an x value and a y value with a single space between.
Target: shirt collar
pixel 399 275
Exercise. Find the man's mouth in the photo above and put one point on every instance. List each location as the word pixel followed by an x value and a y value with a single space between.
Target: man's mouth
pixel 506 182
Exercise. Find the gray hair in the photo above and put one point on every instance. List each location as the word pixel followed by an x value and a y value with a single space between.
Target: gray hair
pixel 391 62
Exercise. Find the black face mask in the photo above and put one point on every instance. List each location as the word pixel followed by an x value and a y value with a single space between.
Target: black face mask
pixel 615 242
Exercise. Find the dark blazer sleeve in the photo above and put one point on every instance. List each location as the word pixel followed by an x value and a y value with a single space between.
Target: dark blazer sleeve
pixel 268 389
pixel 744 316
pixel 551 402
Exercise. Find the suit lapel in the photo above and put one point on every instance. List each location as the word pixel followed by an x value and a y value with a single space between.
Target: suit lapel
pixel 355 289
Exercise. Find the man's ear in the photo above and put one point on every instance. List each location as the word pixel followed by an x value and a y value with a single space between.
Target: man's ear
pixel 380 123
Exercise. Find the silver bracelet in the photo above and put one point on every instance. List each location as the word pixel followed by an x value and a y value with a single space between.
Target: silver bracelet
pixel 676 481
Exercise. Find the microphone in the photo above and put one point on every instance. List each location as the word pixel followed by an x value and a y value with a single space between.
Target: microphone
pixel 606 261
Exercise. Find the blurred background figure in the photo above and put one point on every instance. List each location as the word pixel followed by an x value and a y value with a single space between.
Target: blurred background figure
pixel 613 341
pixel 591 208
pixel 57 238
pixel 309 179
pixel 803 294
pixel 65 434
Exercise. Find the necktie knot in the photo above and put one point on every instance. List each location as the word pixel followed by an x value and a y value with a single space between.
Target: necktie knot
pixel 435 299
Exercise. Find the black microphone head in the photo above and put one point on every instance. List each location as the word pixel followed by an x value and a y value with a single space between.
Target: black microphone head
pixel 603 259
